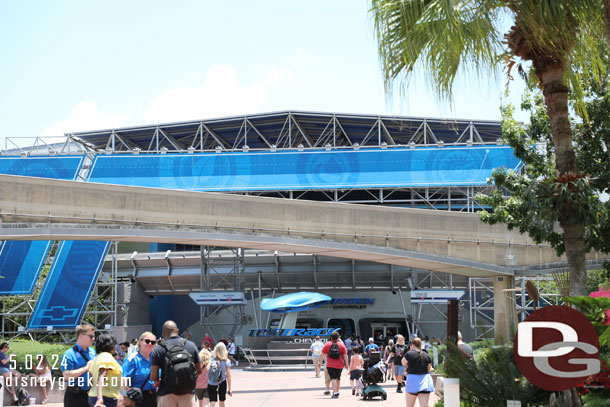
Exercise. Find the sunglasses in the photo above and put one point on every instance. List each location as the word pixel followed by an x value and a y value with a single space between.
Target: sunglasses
pixel 149 341
pixel 91 336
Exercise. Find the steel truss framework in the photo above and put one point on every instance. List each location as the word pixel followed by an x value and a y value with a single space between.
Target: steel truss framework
pixel 234 277
pixel 101 308
pixel 289 130
pixel 292 130
pixel 481 297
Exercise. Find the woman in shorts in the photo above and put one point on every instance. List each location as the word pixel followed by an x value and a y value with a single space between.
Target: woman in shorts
pixel 42 372
pixel 11 376
pixel 355 370
pixel 386 353
pixel 419 383
pixel 218 389
pixel 396 354
pixel 201 387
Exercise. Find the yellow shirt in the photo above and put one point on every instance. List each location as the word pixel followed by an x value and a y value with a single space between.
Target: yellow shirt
pixel 112 382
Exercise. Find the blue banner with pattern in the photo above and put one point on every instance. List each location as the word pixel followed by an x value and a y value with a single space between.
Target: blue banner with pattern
pixel 68 286
pixel 58 167
pixel 22 261
pixel 306 170
pixel 20 264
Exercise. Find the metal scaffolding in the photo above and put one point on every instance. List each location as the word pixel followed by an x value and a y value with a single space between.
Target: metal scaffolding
pixel 481 300
pixel 232 280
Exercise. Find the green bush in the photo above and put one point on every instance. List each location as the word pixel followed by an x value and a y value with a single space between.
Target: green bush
pixel 493 379
pixel 26 355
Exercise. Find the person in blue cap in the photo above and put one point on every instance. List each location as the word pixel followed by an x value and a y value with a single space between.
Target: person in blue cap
pixel 137 368
pixel 75 364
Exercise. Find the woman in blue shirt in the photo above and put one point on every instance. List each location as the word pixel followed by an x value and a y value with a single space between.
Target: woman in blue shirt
pixel 137 368
pixel 10 376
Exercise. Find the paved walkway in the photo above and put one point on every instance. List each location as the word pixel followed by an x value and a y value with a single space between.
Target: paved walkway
pixel 296 389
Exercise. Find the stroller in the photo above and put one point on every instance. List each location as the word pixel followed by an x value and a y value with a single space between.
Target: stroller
pixel 371 376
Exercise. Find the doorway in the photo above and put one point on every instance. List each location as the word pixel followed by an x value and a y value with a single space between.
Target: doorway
pixel 384 329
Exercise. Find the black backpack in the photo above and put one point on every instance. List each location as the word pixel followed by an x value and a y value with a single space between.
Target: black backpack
pixel 23 397
pixel 179 371
pixel 334 352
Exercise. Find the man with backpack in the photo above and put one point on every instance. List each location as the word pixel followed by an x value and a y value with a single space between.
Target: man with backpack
pixel 335 354
pixel 179 362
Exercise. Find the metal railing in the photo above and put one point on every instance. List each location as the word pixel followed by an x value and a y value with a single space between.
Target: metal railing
pixel 256 356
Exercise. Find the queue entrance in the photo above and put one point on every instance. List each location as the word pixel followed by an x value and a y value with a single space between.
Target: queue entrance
pixel 385 329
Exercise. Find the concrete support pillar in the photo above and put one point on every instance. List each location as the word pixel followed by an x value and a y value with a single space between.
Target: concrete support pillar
pixel 504 309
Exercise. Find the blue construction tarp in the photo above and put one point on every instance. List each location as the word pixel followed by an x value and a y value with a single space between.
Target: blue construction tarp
pixel 68 286
pixel 56 167
pixel 20 264
pixel 306 170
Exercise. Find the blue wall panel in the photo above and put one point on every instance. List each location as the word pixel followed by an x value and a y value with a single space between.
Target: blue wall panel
pixel 59 167
pixel 342 169
pixel 20 264
pixel 68 286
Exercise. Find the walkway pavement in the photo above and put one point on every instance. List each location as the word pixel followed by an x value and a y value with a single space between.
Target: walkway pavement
pixel 296 389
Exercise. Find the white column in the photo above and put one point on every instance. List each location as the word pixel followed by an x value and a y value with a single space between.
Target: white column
pixel 451 392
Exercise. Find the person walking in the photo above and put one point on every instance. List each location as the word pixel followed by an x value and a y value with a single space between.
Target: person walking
pixel 75 364
pixel 356 365
pixel 201 387
pixel 106 373
pixel 390 361
pixel 316 354
pixel 397 352
pixel 419 383
pixel 232 350
pixel 11 376
pixel 335 354
pixel 349 345
pixel 219 376
pixel 137 368
pixel 177 383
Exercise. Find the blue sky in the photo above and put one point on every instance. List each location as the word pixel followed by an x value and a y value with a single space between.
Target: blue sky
pixel 81 65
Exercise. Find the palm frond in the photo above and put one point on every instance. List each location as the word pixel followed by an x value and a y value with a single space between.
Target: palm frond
pixel 440 37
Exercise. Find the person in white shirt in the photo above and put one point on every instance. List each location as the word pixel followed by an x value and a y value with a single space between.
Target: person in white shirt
pixel 316 353
pixel 231 349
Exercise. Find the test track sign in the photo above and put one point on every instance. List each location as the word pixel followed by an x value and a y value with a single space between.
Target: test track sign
pixel 219 298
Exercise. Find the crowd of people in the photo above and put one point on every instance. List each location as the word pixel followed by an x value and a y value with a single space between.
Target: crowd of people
pixel 150 371
pixel 409 364
pixel 171 371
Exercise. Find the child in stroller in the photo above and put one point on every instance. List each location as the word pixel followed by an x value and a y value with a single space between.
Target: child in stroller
pixel 372 375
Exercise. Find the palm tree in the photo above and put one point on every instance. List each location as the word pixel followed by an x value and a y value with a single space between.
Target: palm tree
pixel 562 41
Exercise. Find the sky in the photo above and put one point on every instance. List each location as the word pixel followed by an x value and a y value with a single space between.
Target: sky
pixel 71 66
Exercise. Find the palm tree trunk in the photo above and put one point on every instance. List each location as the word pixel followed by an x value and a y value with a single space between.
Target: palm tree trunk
pixel 607 21
pixel 551 74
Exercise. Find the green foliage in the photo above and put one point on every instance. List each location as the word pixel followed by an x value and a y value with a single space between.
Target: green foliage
pixel 531 201
pixel 595 400
pixel 27 351
pixel 595 310
pixel 493 380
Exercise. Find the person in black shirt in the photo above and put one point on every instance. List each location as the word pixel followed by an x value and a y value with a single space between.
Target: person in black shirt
pixel 397 352
pixel 419 382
